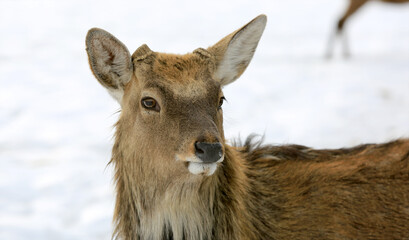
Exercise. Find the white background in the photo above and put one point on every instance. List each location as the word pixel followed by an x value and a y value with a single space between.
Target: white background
pixel 56 121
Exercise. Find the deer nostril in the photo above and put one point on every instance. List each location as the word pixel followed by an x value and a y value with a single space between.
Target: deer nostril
pixel 198 150
pixel 208 152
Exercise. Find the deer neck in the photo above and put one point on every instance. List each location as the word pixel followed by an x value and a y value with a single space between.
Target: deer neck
pixel 159 207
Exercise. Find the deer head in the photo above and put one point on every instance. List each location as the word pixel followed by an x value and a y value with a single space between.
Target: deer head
pixel 171 105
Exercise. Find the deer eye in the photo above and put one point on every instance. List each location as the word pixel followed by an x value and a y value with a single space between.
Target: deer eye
pixel 222 99
pixel 150 104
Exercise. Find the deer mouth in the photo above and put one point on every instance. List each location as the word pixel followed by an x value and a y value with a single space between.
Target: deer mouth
pixel 198 167
pixel 203 168
pixel 206 169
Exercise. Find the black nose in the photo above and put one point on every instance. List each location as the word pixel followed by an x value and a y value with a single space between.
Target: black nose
pixel 208 152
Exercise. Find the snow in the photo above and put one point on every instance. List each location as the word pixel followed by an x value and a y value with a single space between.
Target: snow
pixel 56 120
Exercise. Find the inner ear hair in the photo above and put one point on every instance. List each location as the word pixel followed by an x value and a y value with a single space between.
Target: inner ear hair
pixel 109 59
pixel 234 52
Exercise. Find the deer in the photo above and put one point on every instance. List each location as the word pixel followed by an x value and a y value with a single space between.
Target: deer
pixel 352 7
pixel 177 177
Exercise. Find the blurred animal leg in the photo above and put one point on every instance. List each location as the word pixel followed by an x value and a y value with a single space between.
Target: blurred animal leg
pixel 345 46
pixel 353 6
pixel 331 45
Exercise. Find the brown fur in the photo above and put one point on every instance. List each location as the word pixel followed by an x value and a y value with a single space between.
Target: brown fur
pixel 256 192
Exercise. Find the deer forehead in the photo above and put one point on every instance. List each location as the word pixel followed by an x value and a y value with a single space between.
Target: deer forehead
pixel 185 76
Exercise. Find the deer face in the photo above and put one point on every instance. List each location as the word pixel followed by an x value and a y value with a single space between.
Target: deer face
pixel 172 104
pixel 176 106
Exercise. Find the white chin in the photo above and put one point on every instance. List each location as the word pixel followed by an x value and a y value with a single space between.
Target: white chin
pixel 202 168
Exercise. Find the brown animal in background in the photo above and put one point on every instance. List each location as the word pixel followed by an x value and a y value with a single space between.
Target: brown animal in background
pixel 353 6
pixel 177 177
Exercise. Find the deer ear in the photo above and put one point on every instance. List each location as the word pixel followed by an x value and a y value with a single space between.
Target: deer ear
pixel 234 52
pixel 109 60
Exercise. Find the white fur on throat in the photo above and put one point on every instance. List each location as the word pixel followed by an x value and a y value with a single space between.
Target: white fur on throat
pixel 182 211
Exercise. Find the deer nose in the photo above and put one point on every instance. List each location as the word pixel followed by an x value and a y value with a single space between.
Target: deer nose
pixel 209 152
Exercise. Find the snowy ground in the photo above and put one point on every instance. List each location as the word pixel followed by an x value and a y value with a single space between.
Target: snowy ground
pixel 56 120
